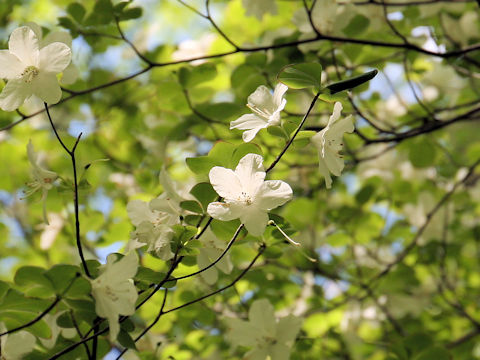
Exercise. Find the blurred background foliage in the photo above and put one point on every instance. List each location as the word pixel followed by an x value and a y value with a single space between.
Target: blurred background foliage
pixel 397 238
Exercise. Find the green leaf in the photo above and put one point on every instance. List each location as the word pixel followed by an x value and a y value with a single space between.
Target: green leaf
pixel 421 153
pixel 126 340
pixel 192 205
pixel 33 280
pixel 243 150
pixel 434 353
pixel 204 193
pixel 131 13
pixel 278 132
pixel 65 320
pixel 200 165
pixel 101 14
pixel 3 288
pixel 352 82
pixel 192 76
pixel 300 76
pixel 77 11
pixel 221 153
pixel 356 26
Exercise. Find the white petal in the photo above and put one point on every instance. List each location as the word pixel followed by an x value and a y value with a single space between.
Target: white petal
pixel 10 66
pixel 255 220
pixel 224 211
pixel 262 99
pixel 279 352
pixel 168 185
pixel 46 87
pixel 225 182
pixel 333 161
pixel 54 57
pixel 288 328
pixel 123 269
pixel 337 109
pixel 257 353
pixel 251 173
pixel 36 29
pixel 14 94
pixel 241 332
pixel 278 99
pixel 342 126
pixel 139 211
pixel 114 327
pixel 211 275
pixel 70 74
pixel 262 315
pixel 272 194
pixel 24 44
pixel 18 344
pixel 248 135
pixel 322 167
pixel 247 122
pixel 57 36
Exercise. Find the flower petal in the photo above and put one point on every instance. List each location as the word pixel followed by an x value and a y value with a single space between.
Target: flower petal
pixel 288 328
pixel 57 36
pixel 255 220
pixel 224 211
pixel 249 135
pixel 46 87
pixel 123 269
pixel 139 211
pixel 247 122
pixel 250 173
pixel 24 44
pixel 70 74
pixel 262 315
pixel 322 167
pixel 262 99
pixel 278 99
pixel 334 161
pixel 272 194
pixel 225 182
pixel 10 66
pixel 14 94
pixel 54 57
pixel 337 109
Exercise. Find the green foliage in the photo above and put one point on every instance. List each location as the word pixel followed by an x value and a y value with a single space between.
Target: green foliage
pixel 387 267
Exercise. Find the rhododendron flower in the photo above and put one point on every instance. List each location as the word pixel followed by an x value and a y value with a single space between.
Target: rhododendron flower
pixel 42 179
pixel 70 73
pixel 329 143
pixel 114 291
pixel 266 110
pixel 15 346
pixel 31 70
pixel 246 194
pixel 264 333
pixel 153 220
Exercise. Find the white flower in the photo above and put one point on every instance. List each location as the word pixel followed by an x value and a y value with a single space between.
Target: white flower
pixel 329 143
pixel 153 220
pixel 70 74
pixel 15 346
pixel 189 49
pixel 246 194
pixel 114 291
pixel 264 333
pixel 266 111
pixel 210 251
pixel 42 179
pixel 31 70
pixel 258 8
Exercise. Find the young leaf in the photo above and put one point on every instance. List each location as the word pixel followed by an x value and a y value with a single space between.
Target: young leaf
pixel 300 76
pixel 352 82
